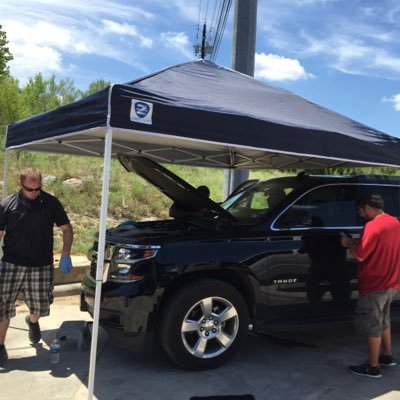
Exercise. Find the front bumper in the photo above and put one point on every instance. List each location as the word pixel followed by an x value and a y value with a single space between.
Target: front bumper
pixel 122 307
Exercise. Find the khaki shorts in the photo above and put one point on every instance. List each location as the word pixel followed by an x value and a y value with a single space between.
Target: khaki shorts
pixel 35 284
pixel 373 312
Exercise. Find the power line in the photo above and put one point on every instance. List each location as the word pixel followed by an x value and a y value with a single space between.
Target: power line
pixel 209 45
pixel 214 13
pixel 223 16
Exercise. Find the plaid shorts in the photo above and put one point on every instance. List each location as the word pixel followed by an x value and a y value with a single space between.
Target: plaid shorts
pixel 373 312
pixel 35 284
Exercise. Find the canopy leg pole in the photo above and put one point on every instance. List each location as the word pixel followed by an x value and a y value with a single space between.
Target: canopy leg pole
pixel 100 259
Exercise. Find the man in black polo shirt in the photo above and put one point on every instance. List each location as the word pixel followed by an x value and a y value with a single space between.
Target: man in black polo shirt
pixel 26 222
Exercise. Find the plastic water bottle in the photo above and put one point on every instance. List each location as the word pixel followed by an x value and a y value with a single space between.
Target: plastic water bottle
pixel 55 352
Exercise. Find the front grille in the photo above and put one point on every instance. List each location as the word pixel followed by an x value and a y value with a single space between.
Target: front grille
pixel 93 267
pixel 108 253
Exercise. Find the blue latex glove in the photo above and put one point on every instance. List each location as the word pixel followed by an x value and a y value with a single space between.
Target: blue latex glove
pixel 65 264
pixel 126 223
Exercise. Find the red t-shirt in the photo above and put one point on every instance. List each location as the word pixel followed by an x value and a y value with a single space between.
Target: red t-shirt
pixel 379 248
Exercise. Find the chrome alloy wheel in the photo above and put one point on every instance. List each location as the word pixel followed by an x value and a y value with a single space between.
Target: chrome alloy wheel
pixel 210 327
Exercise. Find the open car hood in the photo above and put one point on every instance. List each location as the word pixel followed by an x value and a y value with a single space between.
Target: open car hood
pixel 171 185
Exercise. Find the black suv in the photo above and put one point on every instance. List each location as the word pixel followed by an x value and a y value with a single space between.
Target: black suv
pixel 269 255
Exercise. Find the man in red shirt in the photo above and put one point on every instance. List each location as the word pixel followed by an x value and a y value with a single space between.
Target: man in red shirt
pixel 378 252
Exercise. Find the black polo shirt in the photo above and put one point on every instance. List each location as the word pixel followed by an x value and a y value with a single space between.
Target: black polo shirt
pixel 28 226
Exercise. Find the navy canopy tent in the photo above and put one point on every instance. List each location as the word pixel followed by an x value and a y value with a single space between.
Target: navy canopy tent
pixel 199 113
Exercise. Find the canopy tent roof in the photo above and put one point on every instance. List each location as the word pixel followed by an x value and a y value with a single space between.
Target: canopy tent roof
pixel 199 113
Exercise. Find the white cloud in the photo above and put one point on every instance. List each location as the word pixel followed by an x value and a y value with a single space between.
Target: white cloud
pixel 29 57
pixel 277 68
pixel 45 34
pixel 395 100
pixel 112 27
pixel 121 29
pixel 178 41
pixel 42 46
pixel 41 33
pixel 347 52
pixel 387 61
pixel 37 48
pixel 365 60
pixel 353 55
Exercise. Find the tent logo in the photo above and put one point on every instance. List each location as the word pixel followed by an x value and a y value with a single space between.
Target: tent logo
pixel 141 109
pixel 141 112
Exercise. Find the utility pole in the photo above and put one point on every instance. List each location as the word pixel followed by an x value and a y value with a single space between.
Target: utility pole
pixel 243 53
pixel 205 47
pixel 203 42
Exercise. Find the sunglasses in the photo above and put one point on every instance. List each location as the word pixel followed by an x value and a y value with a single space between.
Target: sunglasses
pixel 38 189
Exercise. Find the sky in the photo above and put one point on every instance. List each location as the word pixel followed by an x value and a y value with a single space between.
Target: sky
pixel 343 55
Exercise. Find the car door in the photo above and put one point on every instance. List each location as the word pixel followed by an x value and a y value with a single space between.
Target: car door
pixel 309 273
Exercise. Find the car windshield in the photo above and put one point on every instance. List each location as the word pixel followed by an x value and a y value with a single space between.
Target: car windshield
pixel 252 205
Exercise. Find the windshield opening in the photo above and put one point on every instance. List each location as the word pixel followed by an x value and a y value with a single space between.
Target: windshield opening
pixel 254 204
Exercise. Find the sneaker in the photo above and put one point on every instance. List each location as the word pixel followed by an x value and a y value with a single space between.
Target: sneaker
pixel 3 355
pixel 34 330
pixel 387 360
pixel 365 370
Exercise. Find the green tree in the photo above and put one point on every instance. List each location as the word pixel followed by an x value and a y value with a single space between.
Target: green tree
pixel 95 86
pixel 65 90
pixel 12 105
pixel 11 102
pixel 43 95
pixel 5 54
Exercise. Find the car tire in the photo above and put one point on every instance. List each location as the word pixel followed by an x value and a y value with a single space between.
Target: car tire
pixel 204 324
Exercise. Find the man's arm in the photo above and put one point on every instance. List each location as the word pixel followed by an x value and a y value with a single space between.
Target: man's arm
pixel 67 237
pixel 1 234
pixel 348 243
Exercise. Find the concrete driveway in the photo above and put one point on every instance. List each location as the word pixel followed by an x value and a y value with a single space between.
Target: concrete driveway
pixel 309 364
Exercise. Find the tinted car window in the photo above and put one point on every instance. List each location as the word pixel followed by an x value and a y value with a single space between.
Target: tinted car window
pixel 326 206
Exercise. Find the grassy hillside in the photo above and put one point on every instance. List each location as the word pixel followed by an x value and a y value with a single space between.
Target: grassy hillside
pixel 130 196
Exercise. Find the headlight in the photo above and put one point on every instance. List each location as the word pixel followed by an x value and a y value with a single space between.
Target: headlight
pixel 122 266
pixel 132 255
